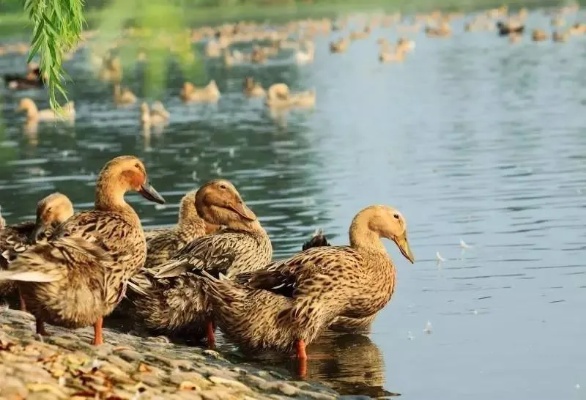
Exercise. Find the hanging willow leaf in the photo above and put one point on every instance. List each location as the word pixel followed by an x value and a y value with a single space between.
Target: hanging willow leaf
pixel 57 26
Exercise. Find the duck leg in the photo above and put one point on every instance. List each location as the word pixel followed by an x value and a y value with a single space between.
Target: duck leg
pixel 211 336
pixel 22 302
pixel 301 358
pixel 98 338
pixel 41 327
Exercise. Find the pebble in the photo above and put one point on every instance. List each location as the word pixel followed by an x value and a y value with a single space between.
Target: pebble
pixel 130 355
pixel 66 366
pixel 228 382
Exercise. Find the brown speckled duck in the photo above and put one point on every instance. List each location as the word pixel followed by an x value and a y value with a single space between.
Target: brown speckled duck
pixel 51 211
pixel 190 226
pixel 79 275
pixel 288 304
pixel 172 301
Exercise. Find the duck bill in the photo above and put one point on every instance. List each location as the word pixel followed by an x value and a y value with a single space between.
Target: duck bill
pixel 243 211
pixel 149 193
pixel 405 249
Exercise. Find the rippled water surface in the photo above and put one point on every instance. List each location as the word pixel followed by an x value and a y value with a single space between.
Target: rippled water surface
pixel 472 138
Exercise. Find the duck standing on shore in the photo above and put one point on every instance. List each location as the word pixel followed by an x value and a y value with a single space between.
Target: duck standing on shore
pixel 172 300
pixel 14 239
pixel 79 275
pixel 288 304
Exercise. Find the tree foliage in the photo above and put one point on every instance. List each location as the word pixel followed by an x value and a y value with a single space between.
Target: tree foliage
pixel 57 27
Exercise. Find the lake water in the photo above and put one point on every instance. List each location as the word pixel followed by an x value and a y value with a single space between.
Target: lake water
pixel 472 138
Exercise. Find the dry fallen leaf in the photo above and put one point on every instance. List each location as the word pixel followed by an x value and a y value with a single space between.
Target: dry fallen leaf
pixel 142 367
pixel 187 385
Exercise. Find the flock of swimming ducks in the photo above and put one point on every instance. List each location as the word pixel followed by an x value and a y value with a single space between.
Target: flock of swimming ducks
pixel 213 269
pixel 294 40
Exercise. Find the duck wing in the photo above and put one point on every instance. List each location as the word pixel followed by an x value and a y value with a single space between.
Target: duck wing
pixel 214 254
pixel 304 271
pixel 110 231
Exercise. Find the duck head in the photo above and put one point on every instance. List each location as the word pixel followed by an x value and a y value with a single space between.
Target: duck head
pixel 51 211
pixel 387 222
pixel 120 175
pixel 219 203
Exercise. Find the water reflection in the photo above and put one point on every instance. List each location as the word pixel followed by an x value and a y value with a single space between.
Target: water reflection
pixel 351 364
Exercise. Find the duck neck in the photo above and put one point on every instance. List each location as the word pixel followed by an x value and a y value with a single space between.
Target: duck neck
pixel 368 243
pixel 110 197
pixel 32 112
pixel 376 259
pixel 190 222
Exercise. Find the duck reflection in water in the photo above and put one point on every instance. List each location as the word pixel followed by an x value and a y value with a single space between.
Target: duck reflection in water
pixel 351 363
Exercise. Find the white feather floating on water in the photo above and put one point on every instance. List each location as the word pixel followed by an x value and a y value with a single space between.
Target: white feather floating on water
pixel 439 257
pixel 427 328
pixel 464 245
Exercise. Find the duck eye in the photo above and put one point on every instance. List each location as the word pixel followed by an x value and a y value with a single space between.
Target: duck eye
pixel 396 216
pixel 223 187
pixel 137 165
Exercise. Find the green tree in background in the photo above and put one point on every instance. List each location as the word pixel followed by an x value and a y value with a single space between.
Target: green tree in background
pixel 57 26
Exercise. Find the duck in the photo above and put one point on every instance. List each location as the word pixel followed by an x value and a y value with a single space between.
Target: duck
pixel 560 37
pixel 80 273
pixel 391 55
pixel 191 93
pixel 259 55
pixel 578 29
pixel 279 96
pixel 123 96
pixel 358 35
pixel 169 297
pixel 251 88
pixel 442 30
pixel 339 46
pixel 506 28
pixel 32 80
pixel 213 49
pixel 235 57
pixel 287 305
pixel 305 56
pixel 111 69
pixel 150 233
pixel 405 45
pixel 190 226
pixel 156 115
pixel 539 35
pixel 51 211
pixel 67 112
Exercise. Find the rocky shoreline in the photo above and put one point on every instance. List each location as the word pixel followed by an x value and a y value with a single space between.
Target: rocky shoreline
pixel 66 366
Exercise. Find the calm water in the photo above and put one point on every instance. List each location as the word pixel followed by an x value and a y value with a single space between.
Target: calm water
pixel 471 138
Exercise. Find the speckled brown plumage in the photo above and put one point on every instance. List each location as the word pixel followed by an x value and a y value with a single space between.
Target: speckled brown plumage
pixel 292 301
pixel 14 239
pixel 190 226
pixel 172 301
pixel 80 274
pixel 340 324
